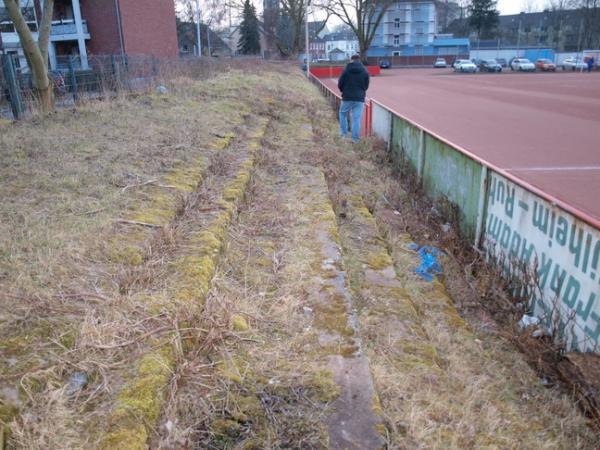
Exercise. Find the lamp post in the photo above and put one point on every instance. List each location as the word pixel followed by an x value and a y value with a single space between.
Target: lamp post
pixel 306 40
pixel 199 39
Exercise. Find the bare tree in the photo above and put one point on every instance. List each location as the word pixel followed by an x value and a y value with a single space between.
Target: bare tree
pixel 558 20
pixel 529 6
pixel 590 21
pixel 362 16
pixel 290 33
pixel 36 53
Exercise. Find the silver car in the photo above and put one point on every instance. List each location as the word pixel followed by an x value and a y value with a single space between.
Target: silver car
pixel 522 65
pixel 464 65
pixel 573 64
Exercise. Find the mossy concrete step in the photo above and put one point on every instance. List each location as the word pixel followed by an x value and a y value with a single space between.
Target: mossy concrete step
pixel 139 403
pixel 395 341
pixel 354 422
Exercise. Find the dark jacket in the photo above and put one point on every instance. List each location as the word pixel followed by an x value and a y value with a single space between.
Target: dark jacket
pixel 354 82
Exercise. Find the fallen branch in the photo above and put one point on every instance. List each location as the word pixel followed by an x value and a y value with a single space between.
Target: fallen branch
pixel 135 222
pixel 145 183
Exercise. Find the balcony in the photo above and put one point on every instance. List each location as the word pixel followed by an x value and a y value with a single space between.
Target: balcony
pixel 67 27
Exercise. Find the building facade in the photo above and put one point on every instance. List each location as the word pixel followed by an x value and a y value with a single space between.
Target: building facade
pixel 406 28
pixel 316 48
pixel 131 27
pixel 81 28
pixel 340 46
pixel 68 37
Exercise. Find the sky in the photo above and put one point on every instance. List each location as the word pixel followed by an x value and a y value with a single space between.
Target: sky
pixel 516 6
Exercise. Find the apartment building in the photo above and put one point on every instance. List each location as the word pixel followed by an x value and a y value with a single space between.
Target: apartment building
pixel 406 27
pixel 81 28
pixel 340 46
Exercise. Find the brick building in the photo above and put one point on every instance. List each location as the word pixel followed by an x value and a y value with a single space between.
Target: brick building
pixel 97 27
pixel 132 27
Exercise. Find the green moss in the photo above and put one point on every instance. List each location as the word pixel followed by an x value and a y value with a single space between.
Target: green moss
pixel 322 385
pixel 7 412
pixel 248 408
pixel 235 190
pixel 239 323
pixel 208 243
pixel 143 397
pixel 197 272
pixel 162 210
pixel 418 353
pixel 185 179
pixel 128 255
pixel 223 143
pixel 132 437
pixel 363 211
pixel 140 402
pixel 379 260
pixel 225 428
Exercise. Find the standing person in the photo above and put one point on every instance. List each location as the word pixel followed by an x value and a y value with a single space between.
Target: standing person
pixel 590 63
pixel 353 85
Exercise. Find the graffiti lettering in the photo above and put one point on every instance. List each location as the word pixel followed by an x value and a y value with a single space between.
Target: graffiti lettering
pixel 564 252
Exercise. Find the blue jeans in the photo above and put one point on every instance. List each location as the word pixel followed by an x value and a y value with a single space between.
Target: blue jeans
pixel 354 109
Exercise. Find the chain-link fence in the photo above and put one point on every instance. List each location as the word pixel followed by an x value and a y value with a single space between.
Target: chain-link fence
pixel 102 76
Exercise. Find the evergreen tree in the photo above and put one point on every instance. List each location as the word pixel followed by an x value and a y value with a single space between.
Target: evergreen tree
pixel 249 31
pixel 483 17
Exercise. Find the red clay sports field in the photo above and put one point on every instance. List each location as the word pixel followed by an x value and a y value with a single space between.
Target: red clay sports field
pixel 541 127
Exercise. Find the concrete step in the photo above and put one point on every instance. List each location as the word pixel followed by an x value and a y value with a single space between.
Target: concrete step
pixel 192 266
pixel 292 373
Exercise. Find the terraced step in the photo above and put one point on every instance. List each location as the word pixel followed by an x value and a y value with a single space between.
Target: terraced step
pixel 203 226
pixel 289 373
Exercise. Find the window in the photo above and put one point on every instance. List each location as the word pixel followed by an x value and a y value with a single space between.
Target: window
pixel 397 22
pixel 395 53
pixel 396 39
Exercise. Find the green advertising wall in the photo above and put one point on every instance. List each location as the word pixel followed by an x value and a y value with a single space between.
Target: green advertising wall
pixel 450 178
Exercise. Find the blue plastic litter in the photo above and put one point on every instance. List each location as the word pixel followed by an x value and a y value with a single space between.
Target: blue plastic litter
pixel 430 265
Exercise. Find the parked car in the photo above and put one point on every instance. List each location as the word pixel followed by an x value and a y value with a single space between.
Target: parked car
pixel 440 63
pixel 545 65
pixel 464 65
pixel 477 61
pixel 385 64
pixel 522 65
pixel 573 64
pixel 490 65
pixel 502 62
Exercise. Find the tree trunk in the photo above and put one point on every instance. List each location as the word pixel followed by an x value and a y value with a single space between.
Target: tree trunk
pixel 45 98
pixel 37 58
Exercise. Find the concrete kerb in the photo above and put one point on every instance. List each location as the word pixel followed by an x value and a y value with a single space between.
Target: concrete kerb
pixel 140 402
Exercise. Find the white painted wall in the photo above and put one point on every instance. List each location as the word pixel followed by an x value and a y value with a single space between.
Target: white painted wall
pixel 562 250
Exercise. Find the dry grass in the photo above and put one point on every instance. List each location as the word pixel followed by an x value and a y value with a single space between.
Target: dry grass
pixel 66 306
pixel 481 393
pixel 248 369
pixel 254 387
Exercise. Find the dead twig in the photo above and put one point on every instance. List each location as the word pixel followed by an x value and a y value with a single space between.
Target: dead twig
pixel 145 183
pixel 135 222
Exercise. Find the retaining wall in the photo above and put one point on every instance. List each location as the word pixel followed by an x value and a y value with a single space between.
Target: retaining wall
pixel 523 228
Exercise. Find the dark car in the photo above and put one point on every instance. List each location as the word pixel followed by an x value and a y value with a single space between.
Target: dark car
pixel 490 65
pixel 502 62
pixel 385 64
